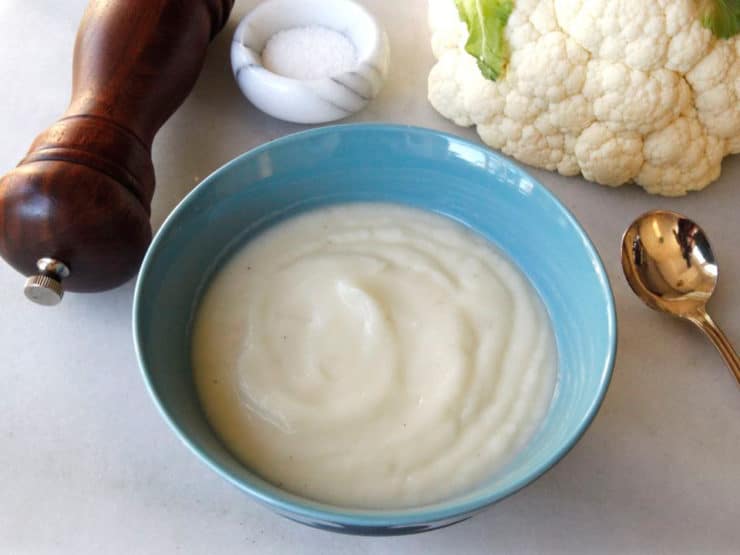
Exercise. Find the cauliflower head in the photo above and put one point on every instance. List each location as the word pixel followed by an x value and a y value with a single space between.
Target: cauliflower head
pixel 619 91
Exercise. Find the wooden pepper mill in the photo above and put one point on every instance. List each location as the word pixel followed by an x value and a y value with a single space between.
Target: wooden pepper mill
pixel 75 213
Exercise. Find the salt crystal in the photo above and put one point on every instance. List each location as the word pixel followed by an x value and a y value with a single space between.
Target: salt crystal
pixel 312 52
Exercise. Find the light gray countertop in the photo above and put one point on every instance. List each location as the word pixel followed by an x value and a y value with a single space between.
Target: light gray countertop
pixel 88 466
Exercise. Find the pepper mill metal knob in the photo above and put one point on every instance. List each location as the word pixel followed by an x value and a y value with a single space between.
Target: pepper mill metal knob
pixel 46 288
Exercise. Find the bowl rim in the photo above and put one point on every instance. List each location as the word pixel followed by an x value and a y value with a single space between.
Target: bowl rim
pixel 307 509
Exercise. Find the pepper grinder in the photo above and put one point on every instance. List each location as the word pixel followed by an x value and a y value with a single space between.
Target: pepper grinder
pixel 74 214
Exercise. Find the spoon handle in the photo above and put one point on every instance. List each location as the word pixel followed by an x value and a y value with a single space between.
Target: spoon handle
pixel 717 336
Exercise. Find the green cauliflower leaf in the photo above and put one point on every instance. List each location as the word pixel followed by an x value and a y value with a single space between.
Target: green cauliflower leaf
pixel 486 21
pixel 722 17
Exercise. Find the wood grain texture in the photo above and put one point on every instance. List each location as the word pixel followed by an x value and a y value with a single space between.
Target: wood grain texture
pixel 82 194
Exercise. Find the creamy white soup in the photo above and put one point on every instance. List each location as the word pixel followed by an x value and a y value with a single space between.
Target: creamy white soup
pixel 373 356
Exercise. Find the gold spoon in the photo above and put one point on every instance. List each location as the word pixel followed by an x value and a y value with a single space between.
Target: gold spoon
pixel 669 264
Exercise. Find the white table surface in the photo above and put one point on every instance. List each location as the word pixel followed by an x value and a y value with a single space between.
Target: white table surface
pixel 88 466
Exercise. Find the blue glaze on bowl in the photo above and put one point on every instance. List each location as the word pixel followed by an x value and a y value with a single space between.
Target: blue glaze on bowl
pixel 412 166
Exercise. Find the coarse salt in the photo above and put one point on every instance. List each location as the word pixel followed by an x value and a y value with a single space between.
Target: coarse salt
pixel 312 52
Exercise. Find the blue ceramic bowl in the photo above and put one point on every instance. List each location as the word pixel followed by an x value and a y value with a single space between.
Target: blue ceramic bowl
pixel 411 166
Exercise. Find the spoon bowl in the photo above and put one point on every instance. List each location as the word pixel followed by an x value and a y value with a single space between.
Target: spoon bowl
pixel 669 264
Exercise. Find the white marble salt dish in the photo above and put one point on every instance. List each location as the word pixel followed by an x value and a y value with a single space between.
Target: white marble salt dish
pixel 311 100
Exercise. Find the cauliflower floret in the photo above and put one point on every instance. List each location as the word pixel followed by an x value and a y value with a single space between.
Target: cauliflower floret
pixel 629 31
pixel 656 98
pixel 460 93
pixel 525 23
pixel 689 39
pixel 447 29
pixel 617 90
pixel 446 89
pixel 716 83
pixel 572 115
pixel 550 68
pixel 680 157
pixel 609 157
